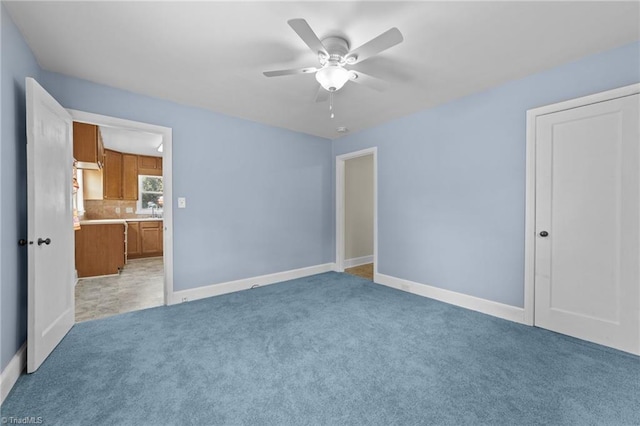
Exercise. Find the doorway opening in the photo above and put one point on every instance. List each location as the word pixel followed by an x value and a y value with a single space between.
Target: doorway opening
pixel 123 244
pixel 356 213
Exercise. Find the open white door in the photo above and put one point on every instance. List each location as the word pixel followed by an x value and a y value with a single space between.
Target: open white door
pixel 50 224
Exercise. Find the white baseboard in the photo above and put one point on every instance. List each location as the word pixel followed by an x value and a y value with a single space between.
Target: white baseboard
pixel 246 283
pixel 357 261
pixel 489 307
pixel 13 370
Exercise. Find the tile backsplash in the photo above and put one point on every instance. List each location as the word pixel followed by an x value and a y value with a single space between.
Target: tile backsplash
pixel 107 209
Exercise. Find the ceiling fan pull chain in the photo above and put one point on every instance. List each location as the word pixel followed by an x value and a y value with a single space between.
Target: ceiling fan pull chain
pixel 331 115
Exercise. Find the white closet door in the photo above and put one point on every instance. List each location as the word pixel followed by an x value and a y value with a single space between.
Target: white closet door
pixel 588 223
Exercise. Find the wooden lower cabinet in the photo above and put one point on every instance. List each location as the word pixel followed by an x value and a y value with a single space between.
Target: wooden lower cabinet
pixel 144 239
pixel 100 249
pixel 133 240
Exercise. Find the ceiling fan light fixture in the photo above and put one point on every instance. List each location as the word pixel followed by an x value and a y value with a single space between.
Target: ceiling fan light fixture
pixel 332 77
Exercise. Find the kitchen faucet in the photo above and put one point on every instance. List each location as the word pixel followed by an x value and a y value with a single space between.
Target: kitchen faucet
pixel 154 209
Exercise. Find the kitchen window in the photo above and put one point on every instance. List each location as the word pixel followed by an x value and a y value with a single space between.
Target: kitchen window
pixel 150 199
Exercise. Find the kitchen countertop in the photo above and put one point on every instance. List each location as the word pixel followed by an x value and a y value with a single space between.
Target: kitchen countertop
pixel 117 221
pixel 103 222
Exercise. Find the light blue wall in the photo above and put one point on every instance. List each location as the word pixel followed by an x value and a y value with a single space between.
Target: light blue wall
pixel 258 197
pixel 451 183
pixel 452 179
pixel 17 62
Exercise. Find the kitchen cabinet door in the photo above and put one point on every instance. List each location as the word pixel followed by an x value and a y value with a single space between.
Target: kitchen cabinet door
pixel 148 165
pixel 133 240
pixel 151 238
pixel 129 177
pixel 87 145
pixel 112 175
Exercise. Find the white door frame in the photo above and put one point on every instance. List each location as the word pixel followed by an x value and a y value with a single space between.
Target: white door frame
pixel 167 213
pixel 530 201
pixel 340 211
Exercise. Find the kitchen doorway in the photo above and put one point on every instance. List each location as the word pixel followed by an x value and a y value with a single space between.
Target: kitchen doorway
pixel 123 244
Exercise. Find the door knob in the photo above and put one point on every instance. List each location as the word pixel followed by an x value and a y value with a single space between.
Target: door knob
pixel 544 233
pixel 41 241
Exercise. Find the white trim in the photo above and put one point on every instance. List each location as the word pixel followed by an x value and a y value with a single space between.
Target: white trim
pixel 12 372
pixel 340 163
pixel 357 261
pixel 246 283
pixel 489 307
pixel 530 198
pixel 167 181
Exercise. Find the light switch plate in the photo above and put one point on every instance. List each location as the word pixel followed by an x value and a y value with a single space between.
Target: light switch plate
pixel 182 203
pixel 117 210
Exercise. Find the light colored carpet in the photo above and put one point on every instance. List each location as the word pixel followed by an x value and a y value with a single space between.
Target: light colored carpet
pixel 331 349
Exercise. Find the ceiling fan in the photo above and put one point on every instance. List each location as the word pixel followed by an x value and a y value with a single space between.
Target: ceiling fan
pixel 334 55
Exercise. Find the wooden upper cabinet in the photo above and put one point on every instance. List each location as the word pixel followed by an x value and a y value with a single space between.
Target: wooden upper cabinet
pixel 118 180
pixel 147 162
pixel 120 176
pixel 112 175
pixel 88 148
pixel 129 177
pixel 148 165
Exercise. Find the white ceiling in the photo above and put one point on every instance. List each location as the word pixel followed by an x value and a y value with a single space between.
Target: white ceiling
pixel 212 54
pixel 131 141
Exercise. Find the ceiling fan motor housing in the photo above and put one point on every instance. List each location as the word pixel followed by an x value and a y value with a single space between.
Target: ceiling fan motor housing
pixel 337 48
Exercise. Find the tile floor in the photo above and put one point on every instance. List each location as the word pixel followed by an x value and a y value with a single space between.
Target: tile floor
pixel 364 271
pixel 140 285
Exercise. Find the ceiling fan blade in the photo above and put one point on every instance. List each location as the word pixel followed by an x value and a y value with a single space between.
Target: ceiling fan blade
pixel 369 81
pixel 307 35
pixel 384 41
pixel 322 95
pixel 290 72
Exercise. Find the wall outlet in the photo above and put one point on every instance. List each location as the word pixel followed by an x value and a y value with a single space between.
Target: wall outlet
pixel 129 210
pixel 182 203
pixel 117 210
pixel 184 299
